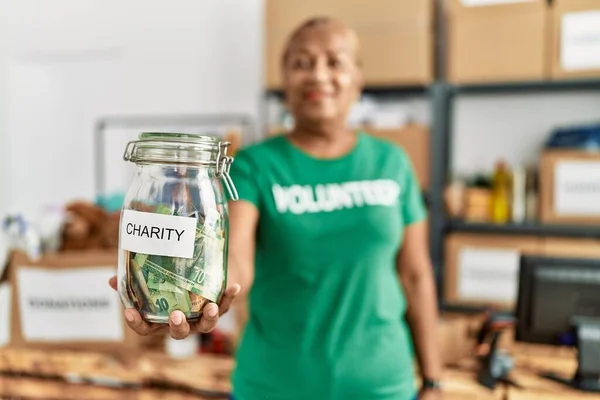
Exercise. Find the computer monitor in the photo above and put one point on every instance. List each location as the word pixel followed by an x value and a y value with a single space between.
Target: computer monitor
pixel 559 304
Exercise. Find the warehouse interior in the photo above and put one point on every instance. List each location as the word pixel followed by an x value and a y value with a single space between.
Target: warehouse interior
pixel 495 102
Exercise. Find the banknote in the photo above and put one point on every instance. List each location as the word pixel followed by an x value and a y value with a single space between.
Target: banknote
pixel 164 302
pixel 156 282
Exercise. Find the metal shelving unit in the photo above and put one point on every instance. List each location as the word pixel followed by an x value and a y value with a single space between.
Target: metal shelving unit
pixel 442 95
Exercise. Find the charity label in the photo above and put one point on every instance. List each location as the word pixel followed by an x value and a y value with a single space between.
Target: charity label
pixel 74 304
pixel 158 234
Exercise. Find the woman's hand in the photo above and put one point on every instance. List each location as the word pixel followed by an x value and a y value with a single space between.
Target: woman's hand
pixel 430 394
pixel 178 327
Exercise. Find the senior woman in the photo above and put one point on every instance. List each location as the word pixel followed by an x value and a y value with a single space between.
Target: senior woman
pixel 329 242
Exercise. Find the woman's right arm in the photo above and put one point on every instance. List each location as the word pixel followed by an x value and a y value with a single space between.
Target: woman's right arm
pixel 243 221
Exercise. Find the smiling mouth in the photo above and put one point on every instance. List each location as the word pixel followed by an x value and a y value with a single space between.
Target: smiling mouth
pixel 316 95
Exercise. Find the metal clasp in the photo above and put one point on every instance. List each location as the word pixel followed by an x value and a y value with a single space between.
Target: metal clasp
pixel 127 155
pixel 223 167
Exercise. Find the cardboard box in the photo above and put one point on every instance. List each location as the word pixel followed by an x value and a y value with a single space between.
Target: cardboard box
pixel 414 139
pixel 63 301
pixel 569 187
pixel 482 270
pixel 396 36
pixel 496 41
pixel 575 39
pixel 571 248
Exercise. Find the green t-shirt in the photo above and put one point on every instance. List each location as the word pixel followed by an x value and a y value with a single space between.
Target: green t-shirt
pixel 326 306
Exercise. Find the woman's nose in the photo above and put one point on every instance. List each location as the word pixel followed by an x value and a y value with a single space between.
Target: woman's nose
pixel 321 72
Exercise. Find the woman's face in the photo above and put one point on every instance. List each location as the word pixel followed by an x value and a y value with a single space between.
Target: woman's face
pixel 322 78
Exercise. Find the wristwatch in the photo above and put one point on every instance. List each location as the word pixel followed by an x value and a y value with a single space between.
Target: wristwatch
pixel 431 384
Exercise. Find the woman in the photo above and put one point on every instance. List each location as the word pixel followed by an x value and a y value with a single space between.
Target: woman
pixel 329 241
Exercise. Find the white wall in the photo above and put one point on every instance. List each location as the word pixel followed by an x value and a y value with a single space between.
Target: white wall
pixel 72 61
pixel 4 146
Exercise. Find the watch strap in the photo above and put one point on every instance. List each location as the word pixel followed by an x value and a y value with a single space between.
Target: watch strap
pixel 432 384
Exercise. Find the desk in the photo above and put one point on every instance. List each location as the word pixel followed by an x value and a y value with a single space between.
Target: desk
pixel 530 361
pixel 36 375
pixel 462 385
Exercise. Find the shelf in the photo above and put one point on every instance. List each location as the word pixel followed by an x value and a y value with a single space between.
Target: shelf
pixel 592 84
pixel 466 309
pixel 533 86
pixel 380 91
pixel 526 229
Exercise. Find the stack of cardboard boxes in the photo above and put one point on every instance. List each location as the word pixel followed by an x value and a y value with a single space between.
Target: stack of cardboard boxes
pixel 487 40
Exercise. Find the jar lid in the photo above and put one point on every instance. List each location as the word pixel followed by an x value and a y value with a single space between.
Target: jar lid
pixel 176 148
pixel 182 148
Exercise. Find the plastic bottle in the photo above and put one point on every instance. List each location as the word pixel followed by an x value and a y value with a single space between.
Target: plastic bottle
pixel 500 204
pixel 519 204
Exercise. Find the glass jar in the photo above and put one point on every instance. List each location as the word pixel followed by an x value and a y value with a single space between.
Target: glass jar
pixel 173 234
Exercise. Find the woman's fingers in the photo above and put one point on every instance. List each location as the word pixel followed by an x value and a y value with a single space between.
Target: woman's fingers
pixel 209 320
pixel 230 295
pixel 113 282
pixel 211 313
pixel 178 326
pixel 139 326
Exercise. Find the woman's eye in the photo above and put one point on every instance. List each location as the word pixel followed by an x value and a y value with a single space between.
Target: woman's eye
pixel 300 64
pixel 336 63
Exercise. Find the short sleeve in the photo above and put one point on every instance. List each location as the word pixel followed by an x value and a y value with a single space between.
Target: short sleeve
pixel 412 202
pixel 243 176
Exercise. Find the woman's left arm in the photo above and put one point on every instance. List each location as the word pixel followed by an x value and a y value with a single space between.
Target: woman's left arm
pixel 417 278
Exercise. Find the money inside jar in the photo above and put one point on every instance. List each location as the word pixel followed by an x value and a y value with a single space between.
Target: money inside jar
pixel 159 284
